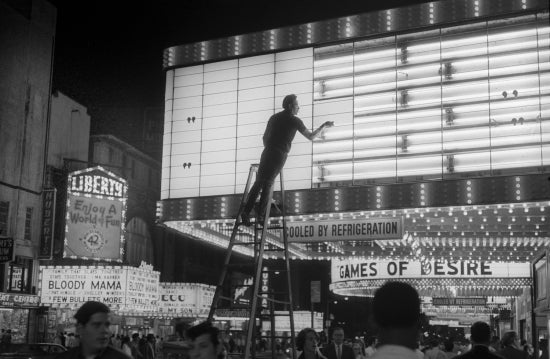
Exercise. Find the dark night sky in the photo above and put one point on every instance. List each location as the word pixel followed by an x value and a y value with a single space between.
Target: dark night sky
pixel 108 54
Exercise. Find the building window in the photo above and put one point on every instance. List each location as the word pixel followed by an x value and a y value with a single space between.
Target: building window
pixel 4 212
pixel 19 278
pixel 28 223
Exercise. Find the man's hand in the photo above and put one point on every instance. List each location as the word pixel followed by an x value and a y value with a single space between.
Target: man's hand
pixel 328 124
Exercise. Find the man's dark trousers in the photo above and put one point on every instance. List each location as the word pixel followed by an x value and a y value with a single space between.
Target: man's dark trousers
pixel 271 164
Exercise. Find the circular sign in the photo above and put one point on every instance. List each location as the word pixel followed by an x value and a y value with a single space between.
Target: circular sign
pixel 93 240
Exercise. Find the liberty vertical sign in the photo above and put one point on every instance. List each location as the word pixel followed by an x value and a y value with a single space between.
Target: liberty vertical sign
pixel 96 211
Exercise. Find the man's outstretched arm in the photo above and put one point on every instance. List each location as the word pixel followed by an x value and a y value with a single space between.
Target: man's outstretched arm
pixel 313 135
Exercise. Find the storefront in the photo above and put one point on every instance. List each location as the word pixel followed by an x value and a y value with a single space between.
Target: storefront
pixel 23 315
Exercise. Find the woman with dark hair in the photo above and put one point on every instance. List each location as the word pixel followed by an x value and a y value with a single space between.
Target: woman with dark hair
pixel 306 341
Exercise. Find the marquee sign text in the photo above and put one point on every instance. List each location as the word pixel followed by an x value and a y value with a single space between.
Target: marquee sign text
pixel 356 269
pixel 342 230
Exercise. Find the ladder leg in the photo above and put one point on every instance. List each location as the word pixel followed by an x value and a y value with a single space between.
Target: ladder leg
pixel 251 335
pixel 287 267
pixel 229 251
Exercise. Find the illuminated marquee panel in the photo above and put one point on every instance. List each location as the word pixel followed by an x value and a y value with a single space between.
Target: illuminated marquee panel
pixel 96 215
pixel 435 104
pixel 434 278
pixel 215 116
pixel 471 99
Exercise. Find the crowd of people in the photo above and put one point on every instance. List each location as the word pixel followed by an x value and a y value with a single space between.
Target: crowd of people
pixel 395 309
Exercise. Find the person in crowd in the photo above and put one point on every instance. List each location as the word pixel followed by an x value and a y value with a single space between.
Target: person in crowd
pixel 396 313
pixel 494 346
pixel 59 339
pixel 528 348
pixel 511 348
pixel 448 348
pixel 205 342
pixel 5 341
pixel 371 346
pixel 543 346
pixel 337 349
pixel 307 342
pixel 71 341
pixel 433 351
pixel 117 341
pixel 480 337
pixel 92 324
pixel 149 347
pixel 142 346
pixel 278 136
pixel 358 349
pixel 158 347
pixel 125 346
pixel 134 346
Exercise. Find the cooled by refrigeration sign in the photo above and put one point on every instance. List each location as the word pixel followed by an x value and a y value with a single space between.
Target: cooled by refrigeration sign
pixel 185 299
pixel 343 230
pixel 356 269
pixel 96 206
pixel 125 287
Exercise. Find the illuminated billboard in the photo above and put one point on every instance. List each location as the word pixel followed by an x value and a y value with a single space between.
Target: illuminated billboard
pixel 134 289
pixel 96 215
pixel 452 102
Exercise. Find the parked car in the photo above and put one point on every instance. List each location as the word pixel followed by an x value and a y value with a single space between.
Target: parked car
pixel 32 351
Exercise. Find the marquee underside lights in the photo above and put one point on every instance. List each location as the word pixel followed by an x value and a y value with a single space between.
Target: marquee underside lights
pixel 433 287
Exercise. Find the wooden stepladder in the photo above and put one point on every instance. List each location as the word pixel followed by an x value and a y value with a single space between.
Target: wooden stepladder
pixel 264 301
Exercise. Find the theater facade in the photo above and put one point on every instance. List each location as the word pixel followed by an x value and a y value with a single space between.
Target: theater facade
pixel 436 171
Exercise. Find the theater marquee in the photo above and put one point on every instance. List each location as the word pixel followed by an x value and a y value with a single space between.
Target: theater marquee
pixel 344 230
pixel 96 206
pixel 356 269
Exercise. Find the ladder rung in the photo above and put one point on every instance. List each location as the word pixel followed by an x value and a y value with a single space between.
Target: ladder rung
pixel 274 270
pixel 246 243
pixel 267 315
pixel 225 298
pixel 275 227
pixel 275 300
pixel 240 265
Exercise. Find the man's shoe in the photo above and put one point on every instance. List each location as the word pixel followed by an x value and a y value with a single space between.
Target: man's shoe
pixel 245 219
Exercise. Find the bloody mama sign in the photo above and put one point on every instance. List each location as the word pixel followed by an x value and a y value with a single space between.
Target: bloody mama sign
pixel 95 215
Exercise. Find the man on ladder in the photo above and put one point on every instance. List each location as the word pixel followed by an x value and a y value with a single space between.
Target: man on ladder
pixel 278 136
